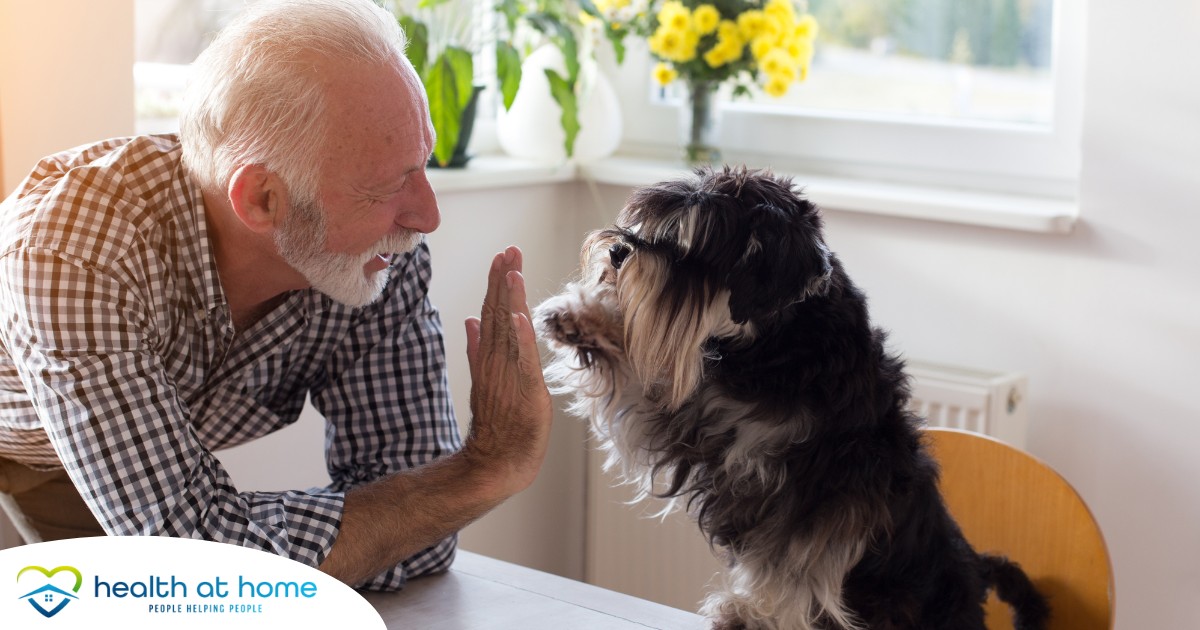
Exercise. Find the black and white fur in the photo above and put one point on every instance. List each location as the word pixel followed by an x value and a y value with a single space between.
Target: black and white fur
pixel 727 362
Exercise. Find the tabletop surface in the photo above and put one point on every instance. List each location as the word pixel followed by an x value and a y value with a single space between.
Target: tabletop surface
pixel 481 592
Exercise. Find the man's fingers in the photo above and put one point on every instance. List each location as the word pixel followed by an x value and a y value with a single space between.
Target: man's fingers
pixel 517 296
pixel 472 324
pixel 492 296
pixel 530 357
pixel 496 320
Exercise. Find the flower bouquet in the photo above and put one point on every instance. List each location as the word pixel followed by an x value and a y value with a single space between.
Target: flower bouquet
pixel 763 44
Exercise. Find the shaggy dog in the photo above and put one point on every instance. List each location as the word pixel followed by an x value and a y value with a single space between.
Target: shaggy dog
pixel 727 362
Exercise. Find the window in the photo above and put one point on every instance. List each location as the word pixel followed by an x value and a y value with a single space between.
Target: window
pixel 933 60
pixel 169 35
pixel 981 94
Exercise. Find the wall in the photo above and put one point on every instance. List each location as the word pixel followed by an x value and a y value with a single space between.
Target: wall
pixel 543 526
pixel 66 77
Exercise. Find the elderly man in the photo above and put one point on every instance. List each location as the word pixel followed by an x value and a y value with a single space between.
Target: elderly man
pixel 164 297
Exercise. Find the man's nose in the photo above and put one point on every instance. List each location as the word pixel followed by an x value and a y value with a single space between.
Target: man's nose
pixel 421 213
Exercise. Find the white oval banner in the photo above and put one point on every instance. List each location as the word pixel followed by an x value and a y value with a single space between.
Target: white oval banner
pixel 157 582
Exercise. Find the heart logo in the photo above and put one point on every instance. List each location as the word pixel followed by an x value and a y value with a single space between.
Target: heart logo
pixel 49 599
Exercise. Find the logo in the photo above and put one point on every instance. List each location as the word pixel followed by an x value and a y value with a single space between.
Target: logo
pixel 48 598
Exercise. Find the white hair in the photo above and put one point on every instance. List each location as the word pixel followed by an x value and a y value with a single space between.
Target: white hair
pixel 255 96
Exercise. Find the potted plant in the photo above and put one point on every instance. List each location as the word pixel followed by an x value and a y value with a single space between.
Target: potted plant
pixel 441 47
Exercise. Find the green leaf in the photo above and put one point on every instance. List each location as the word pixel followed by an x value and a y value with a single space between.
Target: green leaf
pixel 508 72
pixel 429 4
pixel 418 43
pixel 570 51
pixel 463 71
pixel 589 8
pixel 512 10
pixel 441 87
pixel 563 92
pixel 617 37
pixel 562 36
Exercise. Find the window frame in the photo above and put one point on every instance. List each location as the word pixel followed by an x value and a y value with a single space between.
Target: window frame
pixel 988 156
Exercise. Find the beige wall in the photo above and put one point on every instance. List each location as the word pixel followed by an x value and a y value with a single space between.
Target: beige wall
pixel 66 78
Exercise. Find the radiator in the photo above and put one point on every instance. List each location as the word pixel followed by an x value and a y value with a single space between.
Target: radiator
pixel 666 560
pixel 987 402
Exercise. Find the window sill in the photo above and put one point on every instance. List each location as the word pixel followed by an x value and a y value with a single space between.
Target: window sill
pixel 1045 215
pixel 1014 212
pixel 499 171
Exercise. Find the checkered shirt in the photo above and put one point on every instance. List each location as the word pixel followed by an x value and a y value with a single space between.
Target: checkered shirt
pixel 119 362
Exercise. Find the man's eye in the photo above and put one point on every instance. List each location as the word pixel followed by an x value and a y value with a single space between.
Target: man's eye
pixel 617 254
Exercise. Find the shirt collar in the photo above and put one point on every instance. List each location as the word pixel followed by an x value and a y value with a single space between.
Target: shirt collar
pixel 197 250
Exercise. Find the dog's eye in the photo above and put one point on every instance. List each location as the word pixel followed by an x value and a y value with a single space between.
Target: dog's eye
pixel 617 254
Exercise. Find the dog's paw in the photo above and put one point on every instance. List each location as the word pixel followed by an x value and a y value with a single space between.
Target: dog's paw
pixel 563 327
pixel 729 624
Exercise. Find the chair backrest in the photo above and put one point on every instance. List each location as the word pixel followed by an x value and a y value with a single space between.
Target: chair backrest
pixel 1009 503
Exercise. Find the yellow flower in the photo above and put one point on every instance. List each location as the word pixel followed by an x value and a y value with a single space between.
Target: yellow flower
pixel 807 28
pixel 655 43
pixel 675 16
pixel 724 52
pixel 715 57
pixel 801 50
pixel 670 41
pixel 772 27
pixel 776 62
pixel 674 44
pixel 781 10
pixel 776 87
pixel 728 30
pixel 761 46
pixel 664 74
pixel 751 24
pixel 705 18
pixel 784 73
pixel 687 52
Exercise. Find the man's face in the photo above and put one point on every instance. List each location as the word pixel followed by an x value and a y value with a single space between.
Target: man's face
pixel 352 279
pixel 375 200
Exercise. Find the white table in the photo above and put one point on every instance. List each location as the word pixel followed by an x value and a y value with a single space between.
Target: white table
pixel 484 593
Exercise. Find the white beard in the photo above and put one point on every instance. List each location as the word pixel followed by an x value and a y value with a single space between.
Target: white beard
pixel 301 242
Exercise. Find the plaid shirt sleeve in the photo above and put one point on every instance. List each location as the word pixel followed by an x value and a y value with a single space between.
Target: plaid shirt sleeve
pixel 82 338
pixel 387 401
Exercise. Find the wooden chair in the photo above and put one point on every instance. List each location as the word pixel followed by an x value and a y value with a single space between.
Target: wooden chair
pixel 1008 502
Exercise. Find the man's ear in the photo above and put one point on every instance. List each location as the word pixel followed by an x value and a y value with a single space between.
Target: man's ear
pixel 258 197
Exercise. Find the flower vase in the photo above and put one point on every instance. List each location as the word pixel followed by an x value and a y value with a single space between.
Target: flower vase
pixel 700 123
pixel 531 129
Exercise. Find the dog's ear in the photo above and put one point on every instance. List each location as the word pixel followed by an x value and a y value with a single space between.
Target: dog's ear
pixel 785 261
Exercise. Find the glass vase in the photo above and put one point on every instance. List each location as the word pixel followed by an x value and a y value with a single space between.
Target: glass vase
pixel 700 123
